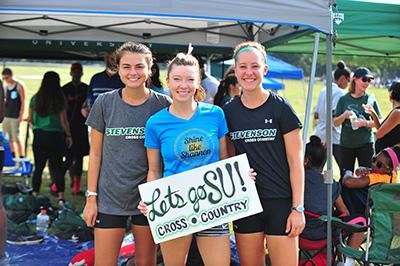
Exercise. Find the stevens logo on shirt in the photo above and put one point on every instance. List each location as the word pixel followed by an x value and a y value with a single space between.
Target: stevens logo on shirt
pixel 194 147
pixel 254 135
pixel 128 132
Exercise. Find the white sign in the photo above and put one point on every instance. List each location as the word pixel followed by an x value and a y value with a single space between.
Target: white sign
pixel 201 198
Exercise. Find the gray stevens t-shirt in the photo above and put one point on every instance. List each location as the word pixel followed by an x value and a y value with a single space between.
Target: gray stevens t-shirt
pixel 124 162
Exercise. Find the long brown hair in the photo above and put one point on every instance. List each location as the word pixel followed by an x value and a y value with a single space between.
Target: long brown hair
pixel 49 98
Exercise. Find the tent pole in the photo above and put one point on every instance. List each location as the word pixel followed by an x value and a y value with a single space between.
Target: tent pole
pixel 310 91
pixel 329 172
pixel 208 69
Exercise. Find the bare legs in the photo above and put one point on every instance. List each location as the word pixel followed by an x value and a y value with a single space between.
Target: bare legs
pixel 213 250
pixel 251 249
pixel 108 242
pixel 283 250
pixel 145 248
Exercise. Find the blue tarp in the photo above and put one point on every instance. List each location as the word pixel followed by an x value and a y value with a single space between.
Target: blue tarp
pixel 51 251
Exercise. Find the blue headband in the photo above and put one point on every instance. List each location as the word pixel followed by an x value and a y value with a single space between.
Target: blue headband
pixel 247 48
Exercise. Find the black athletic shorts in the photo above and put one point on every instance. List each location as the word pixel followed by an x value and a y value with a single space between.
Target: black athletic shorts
pixel 272 221
pixel 118 221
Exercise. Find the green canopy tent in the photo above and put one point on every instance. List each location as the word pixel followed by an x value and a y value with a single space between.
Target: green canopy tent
pixel 366 28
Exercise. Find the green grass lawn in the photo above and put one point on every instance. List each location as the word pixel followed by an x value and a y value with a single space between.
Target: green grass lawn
pixel 32 73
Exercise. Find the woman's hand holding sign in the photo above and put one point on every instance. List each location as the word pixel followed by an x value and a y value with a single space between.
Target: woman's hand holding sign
pixel 252 174
pixel 142 208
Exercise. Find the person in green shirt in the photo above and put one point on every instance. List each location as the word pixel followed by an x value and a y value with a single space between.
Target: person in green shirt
pixel 51 132
pixel 356 138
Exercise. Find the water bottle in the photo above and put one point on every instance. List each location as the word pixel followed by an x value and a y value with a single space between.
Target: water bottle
pixel 353 121
pixel 362 171
pixel 42 223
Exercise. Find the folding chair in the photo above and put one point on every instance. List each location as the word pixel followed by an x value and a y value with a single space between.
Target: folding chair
pixel 383 230
pixel 313 252
pixel 15 166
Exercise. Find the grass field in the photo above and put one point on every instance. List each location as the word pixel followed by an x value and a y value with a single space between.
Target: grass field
pixel 31 74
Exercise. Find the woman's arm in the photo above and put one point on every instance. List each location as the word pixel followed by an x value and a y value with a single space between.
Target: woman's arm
pixel 391 122
pixel 294 147
pixel 337 121
pixel 21 91
pixel 95 158
pixel 223 148
pixel 355 182
pixel 340 206
pixel 30 115
pixel 65 126
pixel 155 164
pixel 375 118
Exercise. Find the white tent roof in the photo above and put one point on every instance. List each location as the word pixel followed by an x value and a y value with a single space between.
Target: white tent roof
pixel 208 23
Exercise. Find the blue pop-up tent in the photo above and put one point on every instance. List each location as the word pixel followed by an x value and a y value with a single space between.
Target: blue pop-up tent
pixel 277 68
pixel 272 84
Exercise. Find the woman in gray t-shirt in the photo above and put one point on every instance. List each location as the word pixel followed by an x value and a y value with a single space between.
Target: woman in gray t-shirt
pixel 117 162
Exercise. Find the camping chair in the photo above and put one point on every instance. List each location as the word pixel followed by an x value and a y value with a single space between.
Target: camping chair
pixel 383 230
pixel 313 252
pixel 15 166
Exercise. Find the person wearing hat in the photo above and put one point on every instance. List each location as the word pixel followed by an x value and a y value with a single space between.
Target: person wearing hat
pixel 75 93
pixel 356 138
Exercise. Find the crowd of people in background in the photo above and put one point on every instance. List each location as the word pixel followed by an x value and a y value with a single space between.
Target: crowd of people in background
pixel 130 94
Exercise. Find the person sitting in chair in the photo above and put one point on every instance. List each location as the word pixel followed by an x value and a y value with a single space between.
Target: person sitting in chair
pixel 383 170
pixel 315 193
pixel 315 198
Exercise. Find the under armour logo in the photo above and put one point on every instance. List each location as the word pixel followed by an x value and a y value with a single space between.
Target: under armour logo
pixel 97 221
pixel 268 121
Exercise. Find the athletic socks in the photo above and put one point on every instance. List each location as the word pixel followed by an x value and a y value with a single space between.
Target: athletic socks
pixel 77 185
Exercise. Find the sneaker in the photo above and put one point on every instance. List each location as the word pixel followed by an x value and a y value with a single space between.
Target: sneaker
pixel 74 238
pixel 61 204
pixel 23 240
pixel 23 189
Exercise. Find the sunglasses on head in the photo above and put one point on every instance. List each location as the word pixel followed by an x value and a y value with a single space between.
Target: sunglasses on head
pixel 379 164
pixel 365 79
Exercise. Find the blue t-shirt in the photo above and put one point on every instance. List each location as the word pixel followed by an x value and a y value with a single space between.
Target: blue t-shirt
pixel 186 144
pixel 101 83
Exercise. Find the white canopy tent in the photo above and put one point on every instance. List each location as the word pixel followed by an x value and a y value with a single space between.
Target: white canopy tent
pixel 83 29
